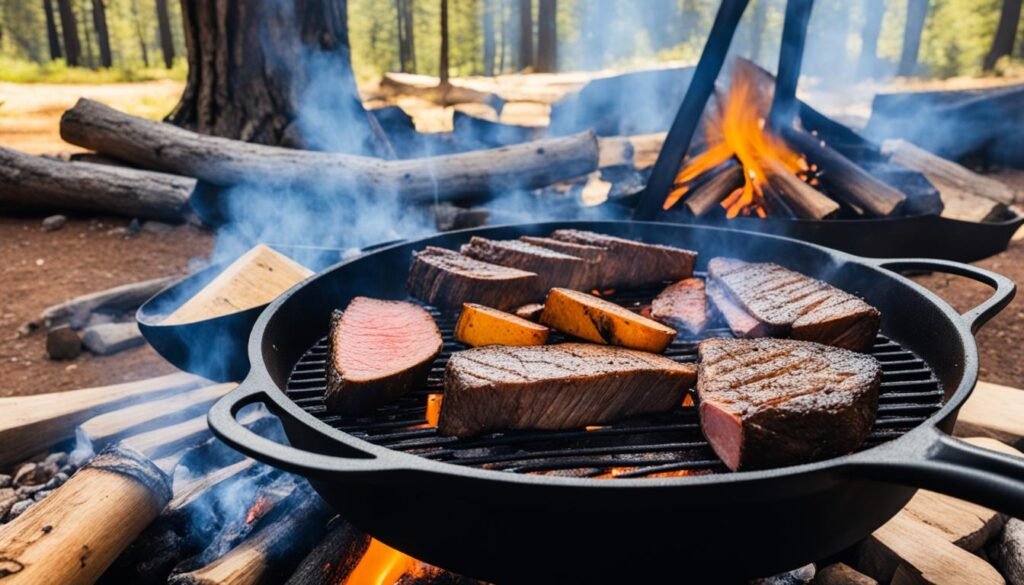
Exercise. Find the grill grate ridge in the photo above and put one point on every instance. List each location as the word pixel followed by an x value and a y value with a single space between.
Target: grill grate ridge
pixel 654 446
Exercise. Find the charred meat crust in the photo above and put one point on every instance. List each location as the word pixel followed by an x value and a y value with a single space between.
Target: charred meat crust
pixel 446 279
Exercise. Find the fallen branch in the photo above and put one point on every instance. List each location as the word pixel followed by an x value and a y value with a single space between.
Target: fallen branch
pixel 127 297
pixel 35 181
pixel 443 94
pixel 225 162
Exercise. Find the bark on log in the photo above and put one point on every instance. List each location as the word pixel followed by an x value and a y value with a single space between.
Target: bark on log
pixel 946 174
pixel 30 424
pixel 128 297
pixel 226 162
pixel 73 535
pixel 271 549
pixel 332 560
pixel 33 181
pixel 706 196
pixel 443 94
pixel 845 179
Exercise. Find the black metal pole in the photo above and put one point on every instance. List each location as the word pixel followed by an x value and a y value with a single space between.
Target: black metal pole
pixel 791 56
pixel 677 143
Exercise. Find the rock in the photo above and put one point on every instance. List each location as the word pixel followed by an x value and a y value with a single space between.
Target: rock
pixel 58 458
pixel 5 481
pixel 109 338
pixel 157 227
pixel 25 474
pixel 801 576
pixel 19 509
pixel 842 574
pixel 28 328
pixel 56 481
pixel 41 494
pixel 1009 554
pixel 63 343
pixel 54 223
pixel 133 226
pixel 7 500
pixel 27 491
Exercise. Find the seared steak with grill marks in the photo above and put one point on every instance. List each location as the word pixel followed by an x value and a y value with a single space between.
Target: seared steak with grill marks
pixel 631 263
pixel 379 350
pixel 790 304
pixel 682 305
pixel 447 279
pixel 774 402
pixel 553 269
pixel 554 387
pixel 596 254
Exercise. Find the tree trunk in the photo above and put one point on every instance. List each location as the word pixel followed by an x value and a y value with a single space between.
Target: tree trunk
pixel 757 33
pixel 52 37
pixel 406 42
pixel 138 33
pixel 874 11
pixel 69 27
pixel 547 36
pixel 917 13
pixel 99 20
pixel 443 74
pixel 163 18
pixel 525 34
pixel 280 74
pixel 1006 33
pixel 489 40
pixel 88 39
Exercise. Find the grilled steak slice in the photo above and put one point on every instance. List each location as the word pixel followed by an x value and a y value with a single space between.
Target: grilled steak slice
pixel 631 263
pixel 447 279
pixel 788 303
pixel 379 350
pixel 554 387
pixel 739 321
pixel 682 305
pixel 775 402
pixel 553 269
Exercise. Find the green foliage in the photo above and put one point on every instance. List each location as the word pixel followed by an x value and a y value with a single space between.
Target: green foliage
pixel 13 69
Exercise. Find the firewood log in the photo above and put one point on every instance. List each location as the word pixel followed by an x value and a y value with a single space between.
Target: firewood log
pixel 946 173
pixel 845 179
pixel 274 546
pixel 124 298
pixel 107 428
pixel 333 558
pixel 35 181
pixel 708 194
pixel 225 162
pixel 806 201
pixel 993 411
pixel 29 424
pixel 842 574
pixel 72 536
pixel 450 94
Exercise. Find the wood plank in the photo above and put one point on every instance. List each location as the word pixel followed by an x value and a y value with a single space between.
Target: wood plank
pixel 964 524
pixel 842 574
pixel 993 411
pixel 29 424
pixel 256 278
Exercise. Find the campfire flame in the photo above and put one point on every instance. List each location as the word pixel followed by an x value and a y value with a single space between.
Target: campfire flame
pixel 738 130
pixel 383 565
pixel 259 509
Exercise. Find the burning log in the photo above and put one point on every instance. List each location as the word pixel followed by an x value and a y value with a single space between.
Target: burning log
pixel 72 536
pixel 844 179
pixel 719 183
pixel 271 550
pixel 128 297
pixel 34 181
pixel 332 560
pixel 805 201
pixel 226 162
pixel 107 428
pixel 30 424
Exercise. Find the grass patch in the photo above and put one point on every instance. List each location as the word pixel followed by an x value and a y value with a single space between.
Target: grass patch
pixel 21 71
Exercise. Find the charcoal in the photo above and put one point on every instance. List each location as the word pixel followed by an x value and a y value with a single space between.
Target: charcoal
pixel 40 495
pixel 56 481
pixel 801 576
pixel 19 509
pixel 27 491
pixel 62 343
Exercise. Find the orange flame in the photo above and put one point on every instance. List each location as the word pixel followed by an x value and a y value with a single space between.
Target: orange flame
pixel 383 565
pixel 433 412
pixel 258 509
pixel 739 131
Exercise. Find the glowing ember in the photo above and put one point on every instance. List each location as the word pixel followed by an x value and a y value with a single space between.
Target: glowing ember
pixel 383 565
pixel 739 131
pixel 258 509
pixel 434 408
pixel 688 401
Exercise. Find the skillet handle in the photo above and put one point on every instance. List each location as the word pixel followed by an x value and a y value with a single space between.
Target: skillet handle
pixel 1004 288
pixel 223 423
pixel 956 468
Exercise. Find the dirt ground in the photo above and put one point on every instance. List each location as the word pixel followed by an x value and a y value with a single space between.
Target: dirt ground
pixel 41 269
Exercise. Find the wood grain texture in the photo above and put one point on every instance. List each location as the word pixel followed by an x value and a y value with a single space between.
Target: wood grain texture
pixel 38 182
pixel 993 411
pixel 30 424
pixel 222 161
pixel 256 278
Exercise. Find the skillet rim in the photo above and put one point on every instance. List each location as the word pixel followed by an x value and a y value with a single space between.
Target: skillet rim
pixel 909 447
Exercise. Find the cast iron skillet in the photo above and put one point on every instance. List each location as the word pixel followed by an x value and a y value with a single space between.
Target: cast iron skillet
pixel 522 528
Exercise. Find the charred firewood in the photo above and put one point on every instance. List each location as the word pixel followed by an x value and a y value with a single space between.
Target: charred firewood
pixel 226 162
pixel 805 201
pixel 712 187
pixel 331 561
